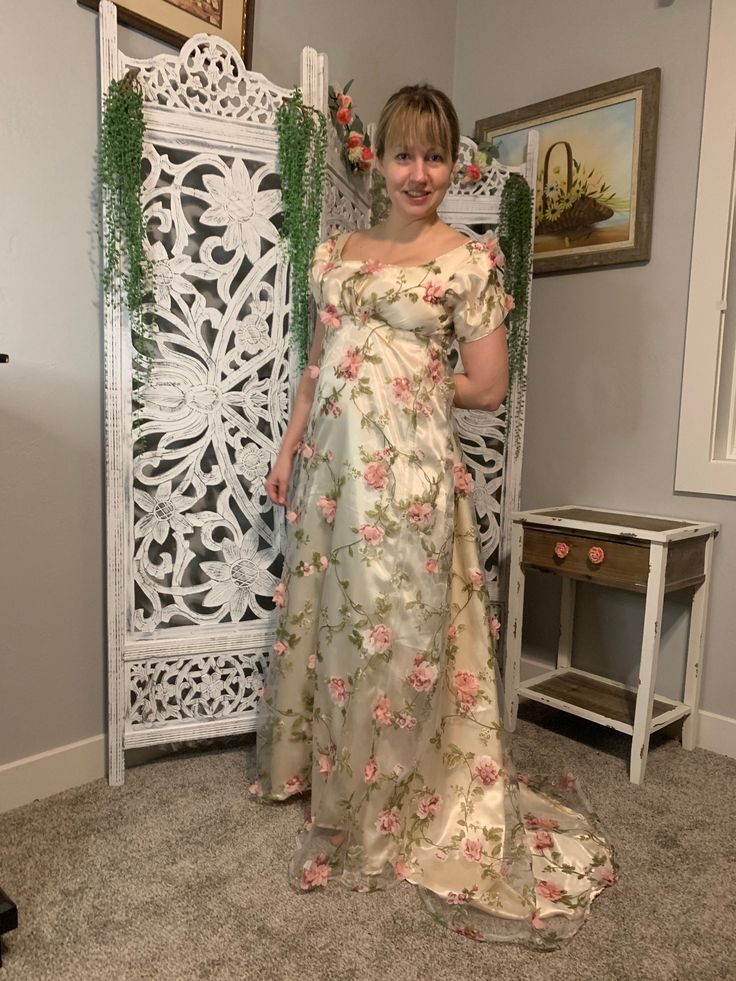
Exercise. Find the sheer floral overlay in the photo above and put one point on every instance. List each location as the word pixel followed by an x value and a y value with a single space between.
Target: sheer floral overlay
pixel 382 697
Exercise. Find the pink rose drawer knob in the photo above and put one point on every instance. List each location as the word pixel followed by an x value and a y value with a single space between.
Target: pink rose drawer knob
pixel 562 550
pixel 596 554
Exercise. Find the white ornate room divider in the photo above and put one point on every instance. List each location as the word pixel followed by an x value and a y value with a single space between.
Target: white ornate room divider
pixel 492 442
pixel 193 543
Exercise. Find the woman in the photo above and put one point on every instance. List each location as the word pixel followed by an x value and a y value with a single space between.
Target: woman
pixel 382 695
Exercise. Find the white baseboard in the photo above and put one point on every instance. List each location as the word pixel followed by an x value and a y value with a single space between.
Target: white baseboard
pixel 36 777
pixel 51 772
pixel 716 733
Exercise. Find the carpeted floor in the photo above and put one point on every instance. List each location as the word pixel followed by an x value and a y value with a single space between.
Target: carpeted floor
pixel 177 875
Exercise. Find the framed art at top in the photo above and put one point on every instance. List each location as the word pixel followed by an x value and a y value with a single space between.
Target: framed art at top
pixel 173 21
pixel 595 183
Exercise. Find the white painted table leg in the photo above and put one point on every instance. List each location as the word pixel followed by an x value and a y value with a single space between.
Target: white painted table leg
pixel 695 646
pixel 512 669
pixel 648 662
pixel 567 620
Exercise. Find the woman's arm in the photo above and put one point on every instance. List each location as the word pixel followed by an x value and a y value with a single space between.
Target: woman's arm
pixel 277 481
pixel 484 382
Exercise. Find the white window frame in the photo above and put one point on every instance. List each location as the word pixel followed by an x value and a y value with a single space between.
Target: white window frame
pixel 706 460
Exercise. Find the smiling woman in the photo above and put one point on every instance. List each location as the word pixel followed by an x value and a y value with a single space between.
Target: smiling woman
pixel 382 695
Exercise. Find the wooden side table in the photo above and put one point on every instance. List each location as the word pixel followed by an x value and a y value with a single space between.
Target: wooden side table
pixel 638 552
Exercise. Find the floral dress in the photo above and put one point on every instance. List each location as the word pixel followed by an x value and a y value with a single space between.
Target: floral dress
pixel 382 697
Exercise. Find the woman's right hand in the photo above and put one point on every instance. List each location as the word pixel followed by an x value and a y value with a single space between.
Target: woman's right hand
pixel 277 482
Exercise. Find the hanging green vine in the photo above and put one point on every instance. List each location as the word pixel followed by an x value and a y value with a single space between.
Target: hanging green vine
pixel 127 266
pixel 302 134
pixel 515 239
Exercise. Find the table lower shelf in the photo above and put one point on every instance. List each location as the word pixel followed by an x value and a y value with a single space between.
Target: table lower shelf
pixel 597 699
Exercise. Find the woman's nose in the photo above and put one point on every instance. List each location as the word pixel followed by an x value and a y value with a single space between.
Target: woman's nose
pixel 418 169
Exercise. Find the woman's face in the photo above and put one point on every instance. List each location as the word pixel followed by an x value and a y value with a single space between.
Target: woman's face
pixel 417 178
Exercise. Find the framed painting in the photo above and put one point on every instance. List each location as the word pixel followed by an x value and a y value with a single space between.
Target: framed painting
pixel 173 21
pixel 595 182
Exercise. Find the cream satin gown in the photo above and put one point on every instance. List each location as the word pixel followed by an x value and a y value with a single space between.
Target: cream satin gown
pixel 382 697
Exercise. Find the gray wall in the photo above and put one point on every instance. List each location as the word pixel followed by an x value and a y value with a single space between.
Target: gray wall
pixel 606 347
pixel 52 633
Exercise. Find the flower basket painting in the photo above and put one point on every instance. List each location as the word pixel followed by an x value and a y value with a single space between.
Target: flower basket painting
pixel 597 150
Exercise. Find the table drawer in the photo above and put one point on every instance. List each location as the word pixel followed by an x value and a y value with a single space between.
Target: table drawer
pixel 614 563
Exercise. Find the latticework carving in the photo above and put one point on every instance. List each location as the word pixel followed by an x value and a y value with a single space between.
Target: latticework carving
pixel 208 76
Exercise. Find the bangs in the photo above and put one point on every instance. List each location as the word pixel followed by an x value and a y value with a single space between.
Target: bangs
pixel 419 125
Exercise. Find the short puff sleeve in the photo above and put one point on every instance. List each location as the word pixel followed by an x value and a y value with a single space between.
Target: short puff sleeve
pixel 475 296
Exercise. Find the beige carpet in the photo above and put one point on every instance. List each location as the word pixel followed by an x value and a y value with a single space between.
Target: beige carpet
pixel 178 875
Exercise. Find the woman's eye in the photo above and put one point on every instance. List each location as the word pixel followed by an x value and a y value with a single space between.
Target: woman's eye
pixel 436 157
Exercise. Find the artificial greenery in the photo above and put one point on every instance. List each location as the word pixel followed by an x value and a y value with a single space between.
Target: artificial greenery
pixel 515 239
pixel 302 134
pixel 127 266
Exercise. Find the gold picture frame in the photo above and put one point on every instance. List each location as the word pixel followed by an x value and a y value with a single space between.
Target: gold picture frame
pixel 595 177
pixel 175 21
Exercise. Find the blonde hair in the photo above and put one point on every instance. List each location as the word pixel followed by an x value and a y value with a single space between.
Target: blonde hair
pixel 419 113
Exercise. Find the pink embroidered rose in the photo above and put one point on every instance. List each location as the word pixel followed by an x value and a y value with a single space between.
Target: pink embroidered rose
pixel 524 778
pixel 338 690
pixel 473 849
pixel 370 266
pixel 540 841
pixel 401 390
pixel 452 632
pixel 312 662
pixel 333 407
pixel 457 898
pixel 494 628
pixel 350 364
pixel 423 674
pixel 388 821
pixel 323 562
pixel 292 517
pixel 325 766
pixel 293 785
pixel 419 513
pixel 537 922
pixel 428 806
pixel 328 507
pixel 402 870
pixel 486 770
pixel 307 570
pixel 605 875
pixel 330 317
pixel 279 595
pixel 508 303
pixel 375 475
pixel 405 721
pixel 280 648
pixel 462 479
pixel 328 267
pixel 431 566
pixel 382 711
pixel 371 534
pixel 548 824
pixel 476 578
pixel 466 683
pixel 313 370
pixel 255 788
pixel 435 368
pixel 548 890
pixel 307 451
pixel 433 291
pixel 315 873
pixel 378 639
pixel 495 255
pixel 370 770
pixel 423 408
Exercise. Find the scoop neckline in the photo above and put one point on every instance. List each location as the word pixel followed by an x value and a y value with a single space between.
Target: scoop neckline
pixel 393 265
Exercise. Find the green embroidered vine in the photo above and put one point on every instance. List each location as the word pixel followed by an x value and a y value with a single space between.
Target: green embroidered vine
pixel 302 134
pixel 515 239
pixel 127 266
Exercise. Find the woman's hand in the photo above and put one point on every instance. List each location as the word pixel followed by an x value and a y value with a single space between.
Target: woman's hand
pixel 277 482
